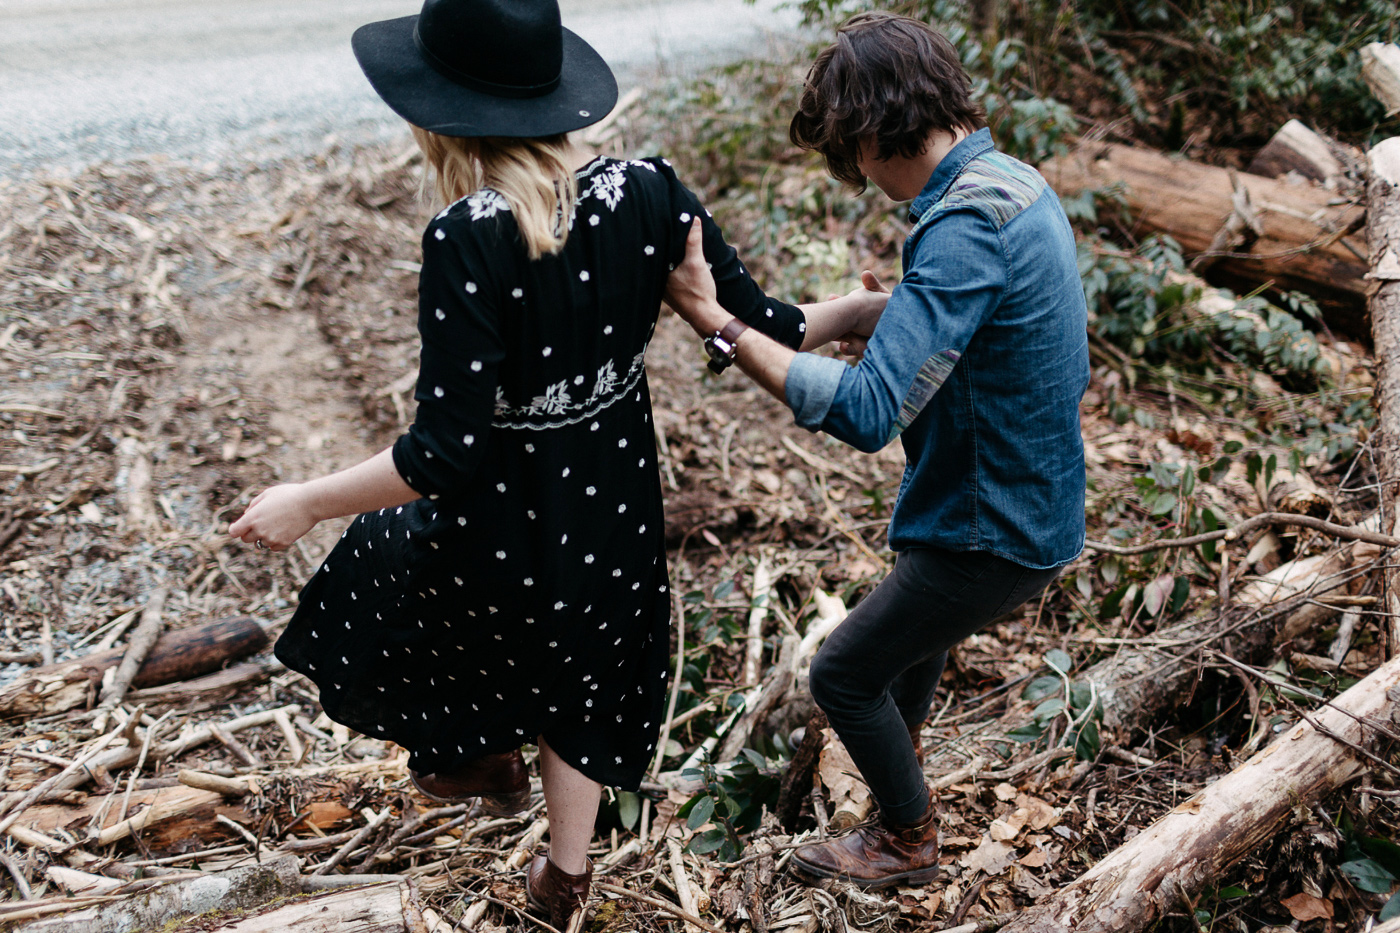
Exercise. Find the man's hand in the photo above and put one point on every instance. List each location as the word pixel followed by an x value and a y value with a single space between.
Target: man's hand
pixel 869 301
pixel 276 518
pixel 690 290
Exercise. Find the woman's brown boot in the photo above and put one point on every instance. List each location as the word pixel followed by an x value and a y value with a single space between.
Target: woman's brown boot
pixel 554 892
pixel 502 782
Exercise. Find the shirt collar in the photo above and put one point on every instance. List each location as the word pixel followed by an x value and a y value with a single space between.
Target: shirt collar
pixel 972 145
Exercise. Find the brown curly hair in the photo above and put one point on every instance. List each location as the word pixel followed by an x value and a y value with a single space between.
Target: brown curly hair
pixel 888 78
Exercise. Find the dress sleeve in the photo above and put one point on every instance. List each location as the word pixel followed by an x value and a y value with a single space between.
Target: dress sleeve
pixel 736 290
pixel 458 320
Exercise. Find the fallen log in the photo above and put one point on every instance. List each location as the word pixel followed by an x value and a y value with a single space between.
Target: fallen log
pixel 234 890
pixel 211 688
pixel 1304 242
pixel 176 656
pixel 1154 673
pixel 164 817
pixel 1383 236
pixel 1186 850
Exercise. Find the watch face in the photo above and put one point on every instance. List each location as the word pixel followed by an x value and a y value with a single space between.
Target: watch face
pixel 719 359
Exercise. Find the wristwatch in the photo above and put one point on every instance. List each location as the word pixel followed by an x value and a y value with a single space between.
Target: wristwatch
pixel 723 345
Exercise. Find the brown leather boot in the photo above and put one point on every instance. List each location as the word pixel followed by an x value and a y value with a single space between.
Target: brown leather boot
pixel 554 892
pixel 501 781
pixel 878 856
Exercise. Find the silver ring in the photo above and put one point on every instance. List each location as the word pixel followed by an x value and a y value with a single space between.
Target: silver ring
pixel 259 545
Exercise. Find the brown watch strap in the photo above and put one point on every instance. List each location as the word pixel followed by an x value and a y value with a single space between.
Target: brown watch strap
pixel 732 330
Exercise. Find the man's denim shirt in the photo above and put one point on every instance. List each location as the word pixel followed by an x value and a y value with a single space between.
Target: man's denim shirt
pixel 978 365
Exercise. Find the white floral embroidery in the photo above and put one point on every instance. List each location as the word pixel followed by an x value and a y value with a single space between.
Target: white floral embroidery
pixel 607 380
pixel 555 400
pixel 486 203
pixel 607 185
pixel 608 388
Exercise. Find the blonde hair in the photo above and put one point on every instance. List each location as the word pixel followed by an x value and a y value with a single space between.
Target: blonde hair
pixel 531 174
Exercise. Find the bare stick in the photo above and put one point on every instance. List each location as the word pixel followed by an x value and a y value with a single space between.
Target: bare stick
pixel 229 787
pixel 141 759
pixel 685 890
pixel 762 593
pixel 1345 532
pixel 657 902
pixel 142 640
pixel 354 842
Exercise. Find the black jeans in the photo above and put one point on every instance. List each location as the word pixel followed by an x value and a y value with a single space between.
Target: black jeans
pixel 877 673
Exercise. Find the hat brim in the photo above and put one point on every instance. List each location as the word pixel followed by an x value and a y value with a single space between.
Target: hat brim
pixel 424 97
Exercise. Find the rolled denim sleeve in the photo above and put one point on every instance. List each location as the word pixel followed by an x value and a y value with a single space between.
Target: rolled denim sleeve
pixel 955 276
pixel 811 385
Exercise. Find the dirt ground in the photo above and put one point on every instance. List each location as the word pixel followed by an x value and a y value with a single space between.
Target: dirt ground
pixel 175 337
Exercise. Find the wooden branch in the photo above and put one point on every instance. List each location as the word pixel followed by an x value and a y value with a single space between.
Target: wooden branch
pixel 1191 846
pixel 1151 675
pixel 1344 532
pixel 1383 236
pixel 355 842
pixel 685 888
pixel 219 685
pixel 227 787
pixel 762 592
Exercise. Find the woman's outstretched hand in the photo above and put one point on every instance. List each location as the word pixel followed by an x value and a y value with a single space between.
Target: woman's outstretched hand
pixel 276 518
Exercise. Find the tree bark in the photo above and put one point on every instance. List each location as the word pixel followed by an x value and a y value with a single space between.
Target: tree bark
pixel 1383 236
pixel 235 890
pixel 176 656
pixel 1302 237
pixel 1186 850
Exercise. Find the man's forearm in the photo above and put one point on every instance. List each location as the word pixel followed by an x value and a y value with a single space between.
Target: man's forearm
pixel 765 361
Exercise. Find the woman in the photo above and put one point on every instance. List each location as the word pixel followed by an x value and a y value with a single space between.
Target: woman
pixel 505 579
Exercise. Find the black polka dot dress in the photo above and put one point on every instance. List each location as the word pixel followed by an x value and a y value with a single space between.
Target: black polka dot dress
pixel 526 593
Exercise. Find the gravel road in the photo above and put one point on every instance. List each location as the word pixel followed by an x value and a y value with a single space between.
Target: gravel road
pixel 86 80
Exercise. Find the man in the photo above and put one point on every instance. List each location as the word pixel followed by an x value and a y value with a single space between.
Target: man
pixel 977 365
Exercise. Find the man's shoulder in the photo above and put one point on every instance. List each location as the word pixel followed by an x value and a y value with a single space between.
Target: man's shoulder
pixel 996 185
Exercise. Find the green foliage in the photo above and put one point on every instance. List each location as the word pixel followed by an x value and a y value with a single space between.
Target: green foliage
pixel 1076 702
pixel 1246 67
pixel 731 802
pixel 1272 337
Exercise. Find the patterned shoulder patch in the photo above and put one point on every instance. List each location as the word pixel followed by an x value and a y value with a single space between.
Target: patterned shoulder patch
pixel 927 381
pixel 997 183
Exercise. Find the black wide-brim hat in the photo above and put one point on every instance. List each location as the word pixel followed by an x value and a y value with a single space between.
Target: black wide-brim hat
pixel 486 68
